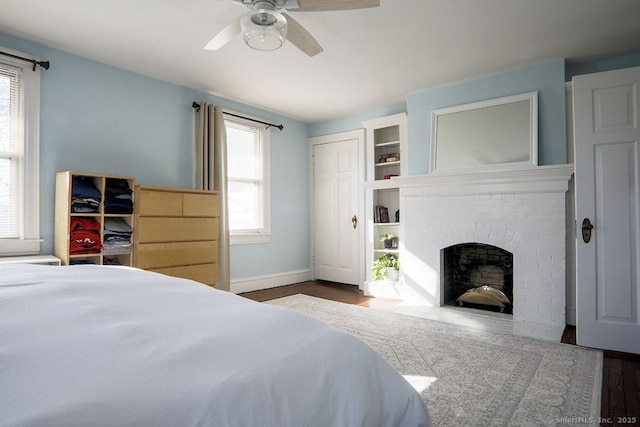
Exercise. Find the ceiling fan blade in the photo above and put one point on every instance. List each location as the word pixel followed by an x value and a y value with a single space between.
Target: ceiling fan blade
pixel 224 36
pixel 301 38
pixel 328 5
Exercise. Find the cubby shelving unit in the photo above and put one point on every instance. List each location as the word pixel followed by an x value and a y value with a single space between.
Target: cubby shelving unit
pixel 64 214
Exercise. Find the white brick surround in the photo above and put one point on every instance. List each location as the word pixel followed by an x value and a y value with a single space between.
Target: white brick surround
pixel 521 211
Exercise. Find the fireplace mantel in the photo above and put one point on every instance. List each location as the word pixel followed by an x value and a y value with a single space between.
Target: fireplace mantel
pixel 540 179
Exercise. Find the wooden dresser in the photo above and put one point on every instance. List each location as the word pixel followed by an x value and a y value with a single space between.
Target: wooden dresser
pixel 176 232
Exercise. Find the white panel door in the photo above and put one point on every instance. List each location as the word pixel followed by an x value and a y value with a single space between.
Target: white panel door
pixel 607 160
pixel 336 211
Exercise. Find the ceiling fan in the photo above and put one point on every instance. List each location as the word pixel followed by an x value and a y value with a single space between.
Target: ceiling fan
pixel 265 26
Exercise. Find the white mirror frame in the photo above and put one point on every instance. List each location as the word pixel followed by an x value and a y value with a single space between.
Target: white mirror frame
pixel 476 143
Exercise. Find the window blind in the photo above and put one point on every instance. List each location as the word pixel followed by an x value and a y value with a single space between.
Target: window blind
pixel 11 134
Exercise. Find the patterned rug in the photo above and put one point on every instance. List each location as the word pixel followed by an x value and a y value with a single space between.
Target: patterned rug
pixel 473 377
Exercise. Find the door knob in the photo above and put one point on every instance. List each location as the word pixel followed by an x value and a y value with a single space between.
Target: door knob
pixel 354 221
pixel 586 230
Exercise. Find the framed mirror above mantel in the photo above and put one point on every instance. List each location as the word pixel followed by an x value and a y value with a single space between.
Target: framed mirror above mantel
pixel 496 134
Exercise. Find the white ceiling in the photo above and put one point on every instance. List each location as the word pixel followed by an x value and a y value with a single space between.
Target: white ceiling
pixel 372 58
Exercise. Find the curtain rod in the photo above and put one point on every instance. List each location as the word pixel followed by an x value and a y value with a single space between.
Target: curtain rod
pixel 43 64
pixel 197 107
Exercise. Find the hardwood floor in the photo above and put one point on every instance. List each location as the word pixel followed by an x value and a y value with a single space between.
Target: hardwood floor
pixel 328 290
pixel 621 371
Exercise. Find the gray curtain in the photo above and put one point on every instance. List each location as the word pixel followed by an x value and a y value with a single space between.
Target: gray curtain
pixel 211 174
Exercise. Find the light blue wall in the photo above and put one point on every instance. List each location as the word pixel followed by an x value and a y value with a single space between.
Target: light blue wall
pixel 102 119
pixel 352 122
pixel 546 78
pixel 288 249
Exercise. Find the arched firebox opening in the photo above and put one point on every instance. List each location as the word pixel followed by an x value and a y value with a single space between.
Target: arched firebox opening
pixel 478 276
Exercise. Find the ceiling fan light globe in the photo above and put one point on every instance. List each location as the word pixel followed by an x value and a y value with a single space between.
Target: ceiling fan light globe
pixel 263 29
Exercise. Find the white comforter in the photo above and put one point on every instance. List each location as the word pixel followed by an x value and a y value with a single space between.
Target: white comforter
pixel 116 346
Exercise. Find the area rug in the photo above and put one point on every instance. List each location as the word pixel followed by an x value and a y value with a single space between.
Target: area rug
pixel 474 377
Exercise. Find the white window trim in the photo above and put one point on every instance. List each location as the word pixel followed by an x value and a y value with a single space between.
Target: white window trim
pixel 264 235
pixel 29 180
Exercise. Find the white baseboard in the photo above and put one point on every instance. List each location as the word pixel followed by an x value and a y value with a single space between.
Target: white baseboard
pixel 250 284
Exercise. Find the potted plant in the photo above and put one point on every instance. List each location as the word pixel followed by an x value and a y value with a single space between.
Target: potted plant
pixel 390 241
pixel 386 266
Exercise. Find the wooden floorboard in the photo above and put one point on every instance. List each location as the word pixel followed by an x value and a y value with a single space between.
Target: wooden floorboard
pixel 621 388
pixel 620 374
pixel 569 335
pixel 340 292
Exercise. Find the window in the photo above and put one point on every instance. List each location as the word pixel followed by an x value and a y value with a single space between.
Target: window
pixel 248 181
pixel 19 134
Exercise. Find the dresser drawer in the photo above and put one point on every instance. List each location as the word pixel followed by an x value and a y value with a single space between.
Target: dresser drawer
pixel 204 205
pixel 203 273
pixel 153 229
pixel 160 255
pixel 159 203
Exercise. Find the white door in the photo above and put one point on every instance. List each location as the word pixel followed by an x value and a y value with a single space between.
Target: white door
pixel 607 159
pixel 336 210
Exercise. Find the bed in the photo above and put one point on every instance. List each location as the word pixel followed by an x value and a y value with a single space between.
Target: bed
pixel 118 346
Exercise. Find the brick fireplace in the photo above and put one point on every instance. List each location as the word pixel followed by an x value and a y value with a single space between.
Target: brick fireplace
pixel 521 212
